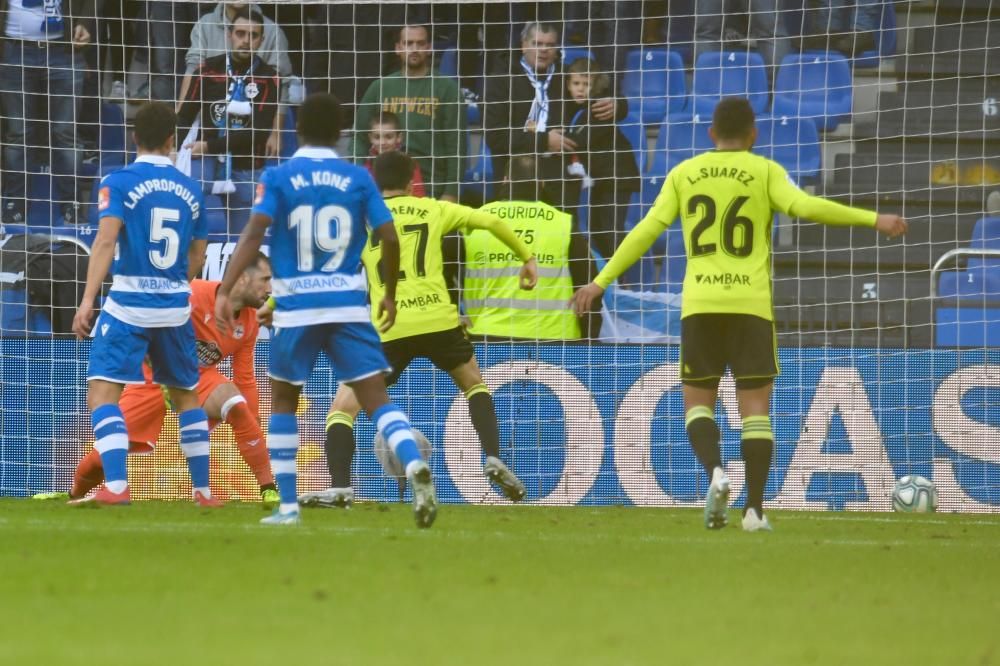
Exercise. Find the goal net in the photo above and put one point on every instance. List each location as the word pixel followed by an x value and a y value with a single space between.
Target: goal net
pixel 888 348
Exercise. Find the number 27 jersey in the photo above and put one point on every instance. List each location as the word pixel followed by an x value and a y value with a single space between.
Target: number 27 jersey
pixel 726 201
pixel 321 208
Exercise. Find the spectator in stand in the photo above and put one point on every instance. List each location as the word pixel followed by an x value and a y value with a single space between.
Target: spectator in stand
pixel 385 135
pixel 430 109
pixel 524 109
pixel 41 66
pixel 767 28
pixel 847 26
pixel 162 33
pixel 493 302
pixel 235 96
pixel 209 39
pixel 604 160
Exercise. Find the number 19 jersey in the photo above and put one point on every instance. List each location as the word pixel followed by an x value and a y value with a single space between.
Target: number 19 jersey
pixel 321 208
pixel 726 201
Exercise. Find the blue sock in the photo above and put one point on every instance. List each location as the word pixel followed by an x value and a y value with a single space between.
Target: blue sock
pixel 111 441
pixel 283 445
pixel 395 428
pixel 195 445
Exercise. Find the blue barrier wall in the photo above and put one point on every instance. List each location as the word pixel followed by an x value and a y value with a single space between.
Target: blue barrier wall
pixel 602 424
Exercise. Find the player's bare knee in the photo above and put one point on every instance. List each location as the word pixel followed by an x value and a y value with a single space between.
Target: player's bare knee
pixel 700 392
pixel 754 395
pixel 370 393
pixel 345 401
pixel 100 392
pixel 284 397
pixel 467 375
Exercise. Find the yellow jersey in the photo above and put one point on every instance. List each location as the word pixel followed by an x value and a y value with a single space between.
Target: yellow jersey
pixel 423 304
pixel 726 202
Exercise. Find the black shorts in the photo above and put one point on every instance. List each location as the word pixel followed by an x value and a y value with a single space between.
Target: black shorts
pixel 744 343
pixel 445 349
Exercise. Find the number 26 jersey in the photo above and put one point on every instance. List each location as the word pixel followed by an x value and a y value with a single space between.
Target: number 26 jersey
pixel 726 201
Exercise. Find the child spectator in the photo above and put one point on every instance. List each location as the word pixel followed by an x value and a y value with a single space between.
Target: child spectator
pixel 604 160
pixel 385 135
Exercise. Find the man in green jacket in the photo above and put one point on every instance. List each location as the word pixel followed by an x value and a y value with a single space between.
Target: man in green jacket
pixel 430 107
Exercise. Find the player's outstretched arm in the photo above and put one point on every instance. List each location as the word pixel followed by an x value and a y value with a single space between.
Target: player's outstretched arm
pixel 389 240
pixel 528 275
pixel 832 213
pixel 243 257
pixel 788 198
pixel 102 253
pixel 636 243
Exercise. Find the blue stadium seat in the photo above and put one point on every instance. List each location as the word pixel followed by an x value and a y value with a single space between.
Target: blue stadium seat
pixel 113 135
pixel 43 208
pixel 633 130
pixel 719 74
pixel 974 283
pixel 678 141
pixel 968 310
pixel 573 53
pixel 654 84
pixel 792 143
pixel 976 326
pixel 986 235
pixel 477 180
pixel 948 283
pixel 815 85
pixel 215 212
pixel 885 39
pixel 289 137
pixel 447 62
pixel 17 317
pixel 649 189
pixel 13 310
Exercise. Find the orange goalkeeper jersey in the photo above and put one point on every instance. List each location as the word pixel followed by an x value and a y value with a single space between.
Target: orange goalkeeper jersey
pixel 213 346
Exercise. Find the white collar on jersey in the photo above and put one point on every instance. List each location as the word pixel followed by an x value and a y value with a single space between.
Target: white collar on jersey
pixel 316 153
pixel 159 160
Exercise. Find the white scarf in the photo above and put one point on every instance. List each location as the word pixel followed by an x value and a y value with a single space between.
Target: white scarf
pixel 540 105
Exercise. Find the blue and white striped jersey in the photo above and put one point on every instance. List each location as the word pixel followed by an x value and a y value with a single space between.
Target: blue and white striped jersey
pixel 321 208
pixel 162 212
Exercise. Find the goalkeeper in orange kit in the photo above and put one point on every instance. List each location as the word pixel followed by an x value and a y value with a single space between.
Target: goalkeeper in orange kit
pixel 234 401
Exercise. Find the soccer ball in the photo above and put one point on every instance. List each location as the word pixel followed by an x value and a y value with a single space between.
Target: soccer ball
pixel 914 494
pixel 390 463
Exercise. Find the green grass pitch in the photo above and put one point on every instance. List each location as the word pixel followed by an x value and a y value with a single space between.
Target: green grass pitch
pixel 167 583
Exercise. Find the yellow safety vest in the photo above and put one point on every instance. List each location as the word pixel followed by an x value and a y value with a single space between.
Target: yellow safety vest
pixel 491 293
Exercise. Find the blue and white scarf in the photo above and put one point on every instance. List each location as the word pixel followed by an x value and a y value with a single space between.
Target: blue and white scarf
pixel 540 105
